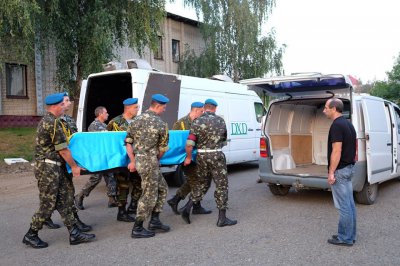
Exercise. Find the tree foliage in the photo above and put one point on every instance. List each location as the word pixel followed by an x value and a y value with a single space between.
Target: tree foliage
pixel 233 41
pixel 389 89
pixel 84 33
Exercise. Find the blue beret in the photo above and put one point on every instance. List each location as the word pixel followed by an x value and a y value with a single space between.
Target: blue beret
pixel 130 101
pixel 211 101
pixel 197 104
pixel 55 98
pixel 161 99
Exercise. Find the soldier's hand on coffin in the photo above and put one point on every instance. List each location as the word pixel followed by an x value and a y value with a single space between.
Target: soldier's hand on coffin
pixel 76 170
pixel 131 167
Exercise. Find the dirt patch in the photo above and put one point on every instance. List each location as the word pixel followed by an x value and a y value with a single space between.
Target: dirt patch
pixel 15 168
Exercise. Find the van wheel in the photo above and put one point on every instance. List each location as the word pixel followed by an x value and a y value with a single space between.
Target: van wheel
pixel 368 194
pixel 179 176
pixel 279 190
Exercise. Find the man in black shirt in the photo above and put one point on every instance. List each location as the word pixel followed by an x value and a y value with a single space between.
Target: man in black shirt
pixel 341 158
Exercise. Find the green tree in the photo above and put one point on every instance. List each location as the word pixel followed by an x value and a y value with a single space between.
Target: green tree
pixel 82 32
pixel 233 41
pixel 389 89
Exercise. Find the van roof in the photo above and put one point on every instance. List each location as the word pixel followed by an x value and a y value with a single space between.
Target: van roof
pixel 186 81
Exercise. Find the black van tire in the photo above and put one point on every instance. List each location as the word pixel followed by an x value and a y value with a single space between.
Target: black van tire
pixel 368 194
pixel 179 177
pixel 279 190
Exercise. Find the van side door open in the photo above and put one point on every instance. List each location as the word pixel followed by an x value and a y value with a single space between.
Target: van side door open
pixel 378 140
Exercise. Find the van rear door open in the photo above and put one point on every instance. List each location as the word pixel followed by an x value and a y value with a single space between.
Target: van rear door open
pixel 378 140
pixel 301 85
pixel 169 86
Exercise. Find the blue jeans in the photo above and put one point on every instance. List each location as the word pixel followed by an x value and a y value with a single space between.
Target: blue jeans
pixel 342 192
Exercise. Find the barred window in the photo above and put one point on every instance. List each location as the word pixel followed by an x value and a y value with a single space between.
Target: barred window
pixel 16 81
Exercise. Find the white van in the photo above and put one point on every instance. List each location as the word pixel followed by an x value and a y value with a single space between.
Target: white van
pixel 294 143
pixel 242 109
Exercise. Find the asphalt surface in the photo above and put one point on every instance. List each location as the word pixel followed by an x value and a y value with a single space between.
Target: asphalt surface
pixel 271 230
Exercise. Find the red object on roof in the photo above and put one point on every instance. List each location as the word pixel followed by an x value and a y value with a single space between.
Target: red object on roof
pixel 353 80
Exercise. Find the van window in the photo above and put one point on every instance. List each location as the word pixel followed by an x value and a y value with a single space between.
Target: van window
pixel 346 109
pixel 397 114
pixel 260 111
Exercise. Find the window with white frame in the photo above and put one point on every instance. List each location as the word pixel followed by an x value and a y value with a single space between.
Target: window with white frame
pixel 16 80
pixel 175 50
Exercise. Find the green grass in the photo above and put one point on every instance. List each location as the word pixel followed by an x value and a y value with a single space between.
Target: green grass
pixel 17 143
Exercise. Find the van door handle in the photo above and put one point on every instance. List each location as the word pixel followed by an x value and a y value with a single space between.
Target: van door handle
pixel 259 129
pixel 389 144
pixel 250 129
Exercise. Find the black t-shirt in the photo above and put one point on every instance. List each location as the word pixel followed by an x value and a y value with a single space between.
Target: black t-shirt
pixel 343 131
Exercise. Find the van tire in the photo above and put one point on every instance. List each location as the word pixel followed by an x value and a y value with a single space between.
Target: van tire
pixel 368 194
pixel 279 190
pixel 179 177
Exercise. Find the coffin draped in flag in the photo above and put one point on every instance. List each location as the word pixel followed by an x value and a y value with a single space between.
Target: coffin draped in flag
pixel 100 151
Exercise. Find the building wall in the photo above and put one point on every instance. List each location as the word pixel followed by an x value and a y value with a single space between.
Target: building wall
pixel 173 28
pixel 10 105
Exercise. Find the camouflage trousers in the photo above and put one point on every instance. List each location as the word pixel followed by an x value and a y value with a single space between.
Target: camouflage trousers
pixel 212 166
pixel 95 179
pixel 124 179
pixel 192 180
pixel 154 186
pixel 56 192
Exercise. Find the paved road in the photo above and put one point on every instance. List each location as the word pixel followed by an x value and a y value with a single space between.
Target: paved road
pixel 290 230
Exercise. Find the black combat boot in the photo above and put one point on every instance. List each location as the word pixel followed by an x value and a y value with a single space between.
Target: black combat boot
pixel 79 201
pixel 173 202
pixel 49 224
pixel 81 225
pixel 112 202
pixel 223 220
pixel 198 209
pixel 186 211
pixel 138 231
pixel 156 224
pixel 123 216
pixel 32 239
pixel 132 207
pixel 77 237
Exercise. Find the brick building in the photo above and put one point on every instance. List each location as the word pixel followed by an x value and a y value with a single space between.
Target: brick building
pixel 23 85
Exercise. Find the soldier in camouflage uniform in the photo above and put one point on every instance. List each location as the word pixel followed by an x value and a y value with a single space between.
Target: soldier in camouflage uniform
pixel 197 109
pixel 69 127
pixel 55 186
pixel 124 178
pixel 146 143
pixel 98 125
pixel 208 133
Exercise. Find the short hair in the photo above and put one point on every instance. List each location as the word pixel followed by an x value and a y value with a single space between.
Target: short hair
pixel 337 103
pixel 98 110
pixel 193 108
pixel 209 106
pixel 154 103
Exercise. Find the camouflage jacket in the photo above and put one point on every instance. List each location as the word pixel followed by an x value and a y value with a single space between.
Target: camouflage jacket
pixel 118 123
pixel 208 132
pixel 50 138
pixel 183 124
pixel 96 125
pixel 70 122
pixel 148 134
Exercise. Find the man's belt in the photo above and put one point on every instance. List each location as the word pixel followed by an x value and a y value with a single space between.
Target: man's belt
pixel 208 150
pixel 52 162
